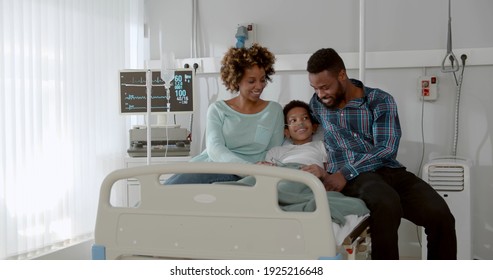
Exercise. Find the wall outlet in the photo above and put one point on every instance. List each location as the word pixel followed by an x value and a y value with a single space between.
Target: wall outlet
pixel 251 31
pixel 190 62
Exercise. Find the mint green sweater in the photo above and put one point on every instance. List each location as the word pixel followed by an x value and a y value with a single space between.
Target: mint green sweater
pixel 244 138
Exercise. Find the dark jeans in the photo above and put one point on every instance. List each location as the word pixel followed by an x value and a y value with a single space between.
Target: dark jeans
pixel 200 178
pixel 394 193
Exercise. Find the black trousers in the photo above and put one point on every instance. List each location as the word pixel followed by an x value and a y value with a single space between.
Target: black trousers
pixel 395 193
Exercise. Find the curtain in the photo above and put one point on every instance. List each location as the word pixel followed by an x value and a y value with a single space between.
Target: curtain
pixel 61 131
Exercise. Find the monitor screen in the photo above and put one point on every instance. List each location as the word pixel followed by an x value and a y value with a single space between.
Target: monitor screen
pixel 133 92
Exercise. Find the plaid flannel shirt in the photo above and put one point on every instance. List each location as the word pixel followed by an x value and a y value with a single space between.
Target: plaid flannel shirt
pixel 363 136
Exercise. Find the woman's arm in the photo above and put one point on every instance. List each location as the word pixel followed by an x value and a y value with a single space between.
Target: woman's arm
pixel 215 138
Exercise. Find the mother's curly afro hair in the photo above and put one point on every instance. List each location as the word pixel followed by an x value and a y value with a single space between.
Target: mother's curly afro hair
pixel 237 60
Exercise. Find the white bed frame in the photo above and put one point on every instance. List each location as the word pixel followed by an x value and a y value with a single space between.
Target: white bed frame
pixel 216 221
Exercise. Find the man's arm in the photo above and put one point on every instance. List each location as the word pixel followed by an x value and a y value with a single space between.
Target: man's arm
pixel 386 133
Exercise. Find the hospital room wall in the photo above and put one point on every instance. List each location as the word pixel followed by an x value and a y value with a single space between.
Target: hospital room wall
pixel 290 27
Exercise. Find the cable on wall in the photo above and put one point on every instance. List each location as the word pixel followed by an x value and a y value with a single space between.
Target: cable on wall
pixel 362 50
pixel 453 68
pixel 193 51
pixel 193 40
pixel 457 104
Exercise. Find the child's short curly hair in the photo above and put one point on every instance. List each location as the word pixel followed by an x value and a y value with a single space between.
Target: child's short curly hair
pixel 237 60
pixel 295 104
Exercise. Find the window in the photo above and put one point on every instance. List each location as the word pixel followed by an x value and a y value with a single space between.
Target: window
pixel 59 115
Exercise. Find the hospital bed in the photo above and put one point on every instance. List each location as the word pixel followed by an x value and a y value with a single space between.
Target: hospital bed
pixel 221 221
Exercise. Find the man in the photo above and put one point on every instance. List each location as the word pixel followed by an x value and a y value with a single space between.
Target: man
pixel 361 134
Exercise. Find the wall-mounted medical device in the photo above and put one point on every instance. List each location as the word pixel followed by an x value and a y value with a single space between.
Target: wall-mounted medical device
pixel 245 35
pixel 428 88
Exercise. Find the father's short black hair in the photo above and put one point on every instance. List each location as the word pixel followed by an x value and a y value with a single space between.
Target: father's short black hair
pixel 325 59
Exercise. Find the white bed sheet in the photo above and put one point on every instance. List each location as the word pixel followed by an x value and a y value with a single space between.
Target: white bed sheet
pixel 341 232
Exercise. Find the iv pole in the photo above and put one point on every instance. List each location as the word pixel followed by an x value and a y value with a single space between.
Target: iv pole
pixel 148 113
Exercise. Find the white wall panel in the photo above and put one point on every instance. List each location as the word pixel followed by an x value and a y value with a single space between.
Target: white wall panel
pixel 405 39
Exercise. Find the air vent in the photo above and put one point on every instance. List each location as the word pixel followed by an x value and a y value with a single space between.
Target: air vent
pixel 446 177
pixel 450 176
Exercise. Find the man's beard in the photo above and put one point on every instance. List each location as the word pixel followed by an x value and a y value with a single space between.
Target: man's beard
pixel 337 100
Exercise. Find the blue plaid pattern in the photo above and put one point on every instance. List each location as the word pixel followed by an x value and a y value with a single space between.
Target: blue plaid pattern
pixel 363 136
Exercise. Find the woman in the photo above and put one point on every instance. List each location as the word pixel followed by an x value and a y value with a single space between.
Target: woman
pixel 244 127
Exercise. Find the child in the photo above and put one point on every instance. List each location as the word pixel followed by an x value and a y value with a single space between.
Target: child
pixel 302 152
pixel 310 156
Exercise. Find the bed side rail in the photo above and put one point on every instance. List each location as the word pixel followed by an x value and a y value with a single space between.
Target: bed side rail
pixel 213 221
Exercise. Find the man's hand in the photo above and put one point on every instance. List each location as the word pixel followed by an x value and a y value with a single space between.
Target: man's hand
pixel 334 182
pixel 315 170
